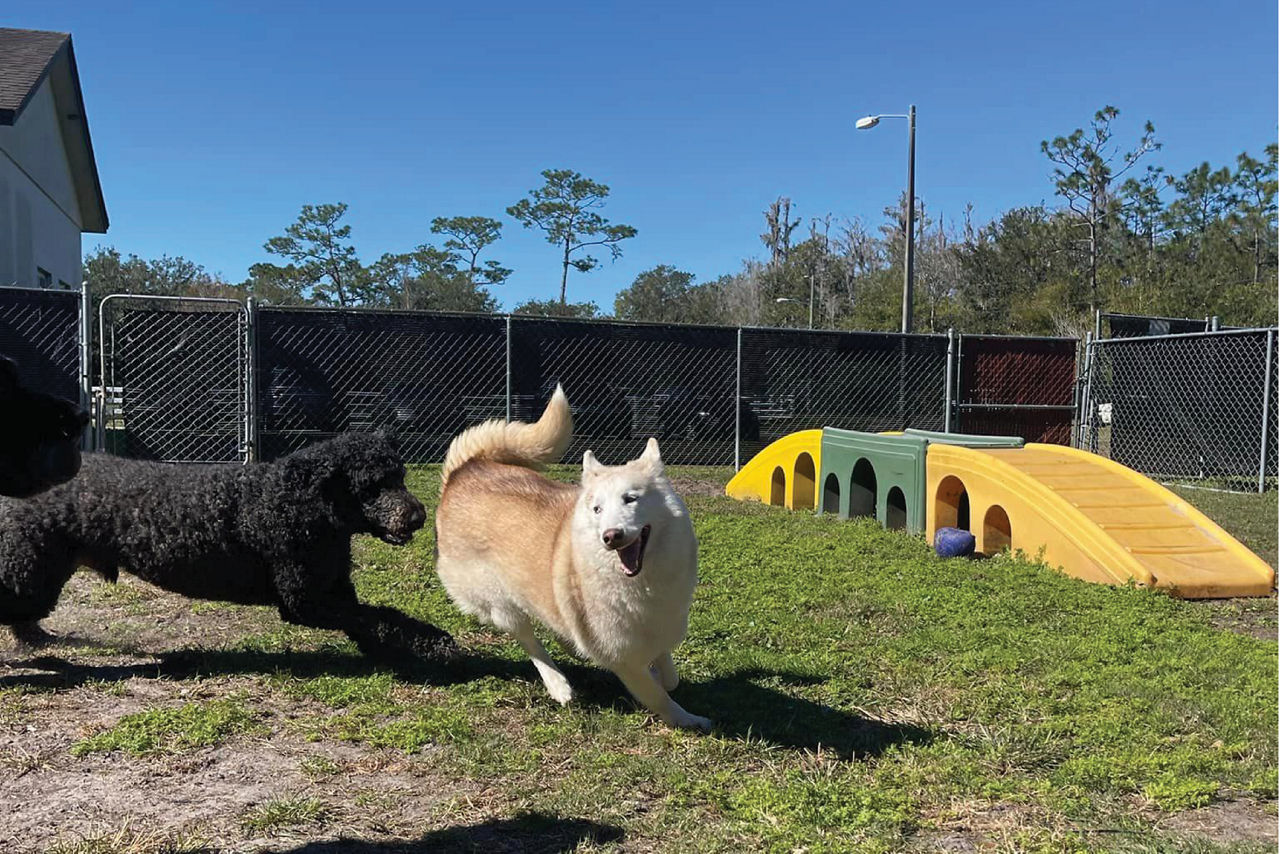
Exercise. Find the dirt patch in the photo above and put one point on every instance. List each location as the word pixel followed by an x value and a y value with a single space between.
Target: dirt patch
pixel 1225 823
pixel 1253 617
pixel 131 620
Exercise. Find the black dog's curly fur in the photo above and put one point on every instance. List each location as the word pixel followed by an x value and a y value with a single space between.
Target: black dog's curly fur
pixel 263 534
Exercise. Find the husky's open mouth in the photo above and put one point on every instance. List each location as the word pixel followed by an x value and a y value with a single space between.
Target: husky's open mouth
pixel 632 556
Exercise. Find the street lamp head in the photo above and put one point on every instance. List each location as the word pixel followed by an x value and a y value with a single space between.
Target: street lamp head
pixel 867 122
pixel 783 299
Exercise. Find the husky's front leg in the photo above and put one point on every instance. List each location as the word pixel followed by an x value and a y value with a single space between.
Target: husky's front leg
pixel 664 670
pixel 557 685
pixel 642 685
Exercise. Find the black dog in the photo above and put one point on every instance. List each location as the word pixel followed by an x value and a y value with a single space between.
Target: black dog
pixel 261 534
pixel 39 436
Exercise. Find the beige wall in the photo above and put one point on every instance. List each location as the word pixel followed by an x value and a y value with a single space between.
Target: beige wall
pixel 39 215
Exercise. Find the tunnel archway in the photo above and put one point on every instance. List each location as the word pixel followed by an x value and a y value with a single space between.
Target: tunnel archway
pixel 862 489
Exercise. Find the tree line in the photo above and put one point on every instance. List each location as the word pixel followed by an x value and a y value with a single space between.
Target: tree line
pixel 1123 236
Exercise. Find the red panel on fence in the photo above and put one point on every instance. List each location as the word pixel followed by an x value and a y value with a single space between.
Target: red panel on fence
pixel 1017 387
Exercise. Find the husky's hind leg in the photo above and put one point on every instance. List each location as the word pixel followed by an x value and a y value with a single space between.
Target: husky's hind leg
pixel 664 670
pixel 519 626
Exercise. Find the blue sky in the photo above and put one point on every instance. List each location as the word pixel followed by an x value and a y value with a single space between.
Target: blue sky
pixel 214 122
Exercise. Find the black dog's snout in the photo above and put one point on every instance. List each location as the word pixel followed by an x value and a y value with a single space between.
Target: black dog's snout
pixel 612 537
pixel 417 512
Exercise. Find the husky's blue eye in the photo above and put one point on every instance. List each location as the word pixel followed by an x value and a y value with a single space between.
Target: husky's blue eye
pixel 628 499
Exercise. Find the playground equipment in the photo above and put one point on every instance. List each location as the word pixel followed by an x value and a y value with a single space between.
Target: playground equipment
pixel 1090 516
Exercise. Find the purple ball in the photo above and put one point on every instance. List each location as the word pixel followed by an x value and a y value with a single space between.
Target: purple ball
pixel 953 542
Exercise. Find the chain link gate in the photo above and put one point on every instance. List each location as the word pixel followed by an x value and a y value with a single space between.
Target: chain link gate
pixel 175 379
pixel 1194 406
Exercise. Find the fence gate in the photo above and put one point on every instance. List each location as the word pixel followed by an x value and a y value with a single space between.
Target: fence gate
pixel 174 382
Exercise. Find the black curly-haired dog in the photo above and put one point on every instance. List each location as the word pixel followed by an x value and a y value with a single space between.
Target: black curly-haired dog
pixel 274 533
pixel 39 436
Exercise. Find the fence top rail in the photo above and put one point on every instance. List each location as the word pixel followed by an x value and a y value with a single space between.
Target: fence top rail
pixel 166 298
pixel 61 292
pixel 1219 334
pixel 1008 337
pixel 801 330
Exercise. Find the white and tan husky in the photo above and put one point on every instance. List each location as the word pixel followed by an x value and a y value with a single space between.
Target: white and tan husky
pixel 608 565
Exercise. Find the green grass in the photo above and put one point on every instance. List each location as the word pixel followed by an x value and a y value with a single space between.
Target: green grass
pixel 1250 517
pixel 865 692
pixel 280 813
pixel 867 696
pixel 171 730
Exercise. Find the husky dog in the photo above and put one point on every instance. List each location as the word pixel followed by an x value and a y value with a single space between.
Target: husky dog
pixel 608 565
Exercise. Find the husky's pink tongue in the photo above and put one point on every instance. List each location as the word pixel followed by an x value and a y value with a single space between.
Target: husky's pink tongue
pixel 632 556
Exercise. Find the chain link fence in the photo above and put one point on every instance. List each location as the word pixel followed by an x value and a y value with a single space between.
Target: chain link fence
pixel 800 380
pixel 194 380
pixel 42 331
pixel 174 379
pixel 321 372
pixel 1194 407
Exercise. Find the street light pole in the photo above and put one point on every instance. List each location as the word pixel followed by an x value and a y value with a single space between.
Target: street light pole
pixel 909 275
pixel 811 300
pixel 909 262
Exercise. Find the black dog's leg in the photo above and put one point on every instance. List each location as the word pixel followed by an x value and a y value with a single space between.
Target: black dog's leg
pixel 381 633
pixel 30 635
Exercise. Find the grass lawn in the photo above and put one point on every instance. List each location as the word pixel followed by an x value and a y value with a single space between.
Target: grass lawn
pixel 867 697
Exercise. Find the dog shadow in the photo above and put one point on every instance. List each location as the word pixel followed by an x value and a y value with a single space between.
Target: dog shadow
pixel 740 704
pixel 741 707
pixel 527 832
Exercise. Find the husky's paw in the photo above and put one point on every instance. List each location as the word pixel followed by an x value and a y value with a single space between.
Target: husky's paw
pixel 559 688
pixel 688 721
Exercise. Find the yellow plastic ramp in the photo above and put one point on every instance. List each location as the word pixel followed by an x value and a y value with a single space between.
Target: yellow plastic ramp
pixel 1092 517
pixel 783 474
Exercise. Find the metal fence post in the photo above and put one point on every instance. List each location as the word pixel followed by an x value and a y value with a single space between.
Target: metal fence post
pixel 1082 375
pixel 950 379
pixel 1086 417
pixel 1266 411
pixel 86 365
pixel 508 369
pixel 737 407
pixel 251 452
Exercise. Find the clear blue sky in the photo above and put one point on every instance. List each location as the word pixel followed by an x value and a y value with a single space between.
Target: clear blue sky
pixel 214 123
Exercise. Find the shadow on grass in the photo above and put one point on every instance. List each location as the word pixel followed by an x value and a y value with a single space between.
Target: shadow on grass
pixel 528 832
pixel 738 705
pixel 742 708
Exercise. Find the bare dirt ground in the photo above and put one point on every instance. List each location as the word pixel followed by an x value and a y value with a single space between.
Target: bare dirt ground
pixel 110 661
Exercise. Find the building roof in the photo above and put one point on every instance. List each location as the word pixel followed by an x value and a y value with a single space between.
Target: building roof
pixel 27 59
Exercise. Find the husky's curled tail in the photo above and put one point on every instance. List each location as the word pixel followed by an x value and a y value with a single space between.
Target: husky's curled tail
pixel 515 443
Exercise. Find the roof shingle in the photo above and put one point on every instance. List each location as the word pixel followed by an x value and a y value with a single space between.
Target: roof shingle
pixel 25 56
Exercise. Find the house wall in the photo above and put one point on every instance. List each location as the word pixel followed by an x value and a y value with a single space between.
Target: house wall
pixel 39 215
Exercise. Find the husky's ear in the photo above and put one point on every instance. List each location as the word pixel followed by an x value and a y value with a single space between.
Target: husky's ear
pixel 652 456
pixel 590 465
